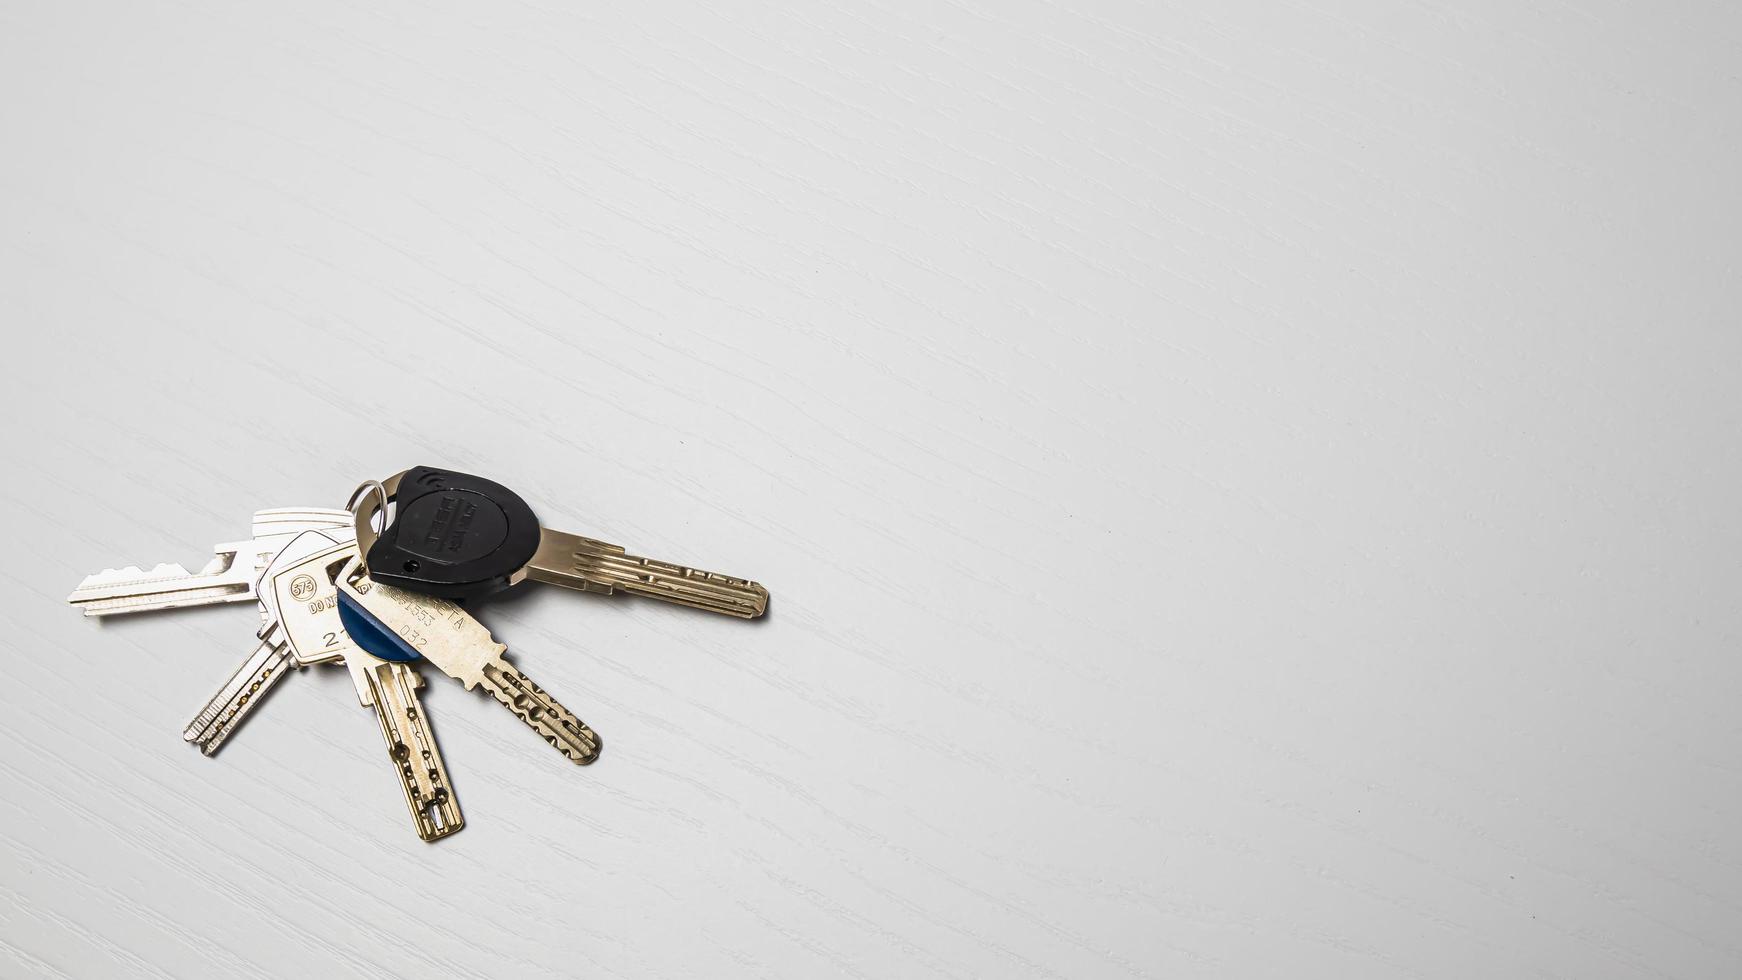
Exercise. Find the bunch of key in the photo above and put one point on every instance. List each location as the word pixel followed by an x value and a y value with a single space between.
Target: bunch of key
pixel 376 587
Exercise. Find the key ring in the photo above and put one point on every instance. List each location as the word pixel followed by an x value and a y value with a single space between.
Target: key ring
pixel 363 518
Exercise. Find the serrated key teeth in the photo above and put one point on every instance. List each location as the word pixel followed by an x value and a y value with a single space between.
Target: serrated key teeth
pixel 131 575
pixel 571 736
pixel 168 586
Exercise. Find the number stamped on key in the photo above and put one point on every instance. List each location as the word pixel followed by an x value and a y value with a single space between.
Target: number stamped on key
pixel 427 612
pixel 302 598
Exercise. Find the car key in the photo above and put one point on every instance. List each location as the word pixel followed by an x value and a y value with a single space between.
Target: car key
pixel 457 536
pixel 442 633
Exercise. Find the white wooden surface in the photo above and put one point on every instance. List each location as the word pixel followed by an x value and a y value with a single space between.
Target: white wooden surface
pixel 1248 489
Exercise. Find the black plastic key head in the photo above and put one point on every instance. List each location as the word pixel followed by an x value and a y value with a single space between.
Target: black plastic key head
pixel 454 535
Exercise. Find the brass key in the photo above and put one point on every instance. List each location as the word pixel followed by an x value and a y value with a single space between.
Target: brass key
pixel 457 536
pixel 301 595
pixel 591 565
pixel 441 633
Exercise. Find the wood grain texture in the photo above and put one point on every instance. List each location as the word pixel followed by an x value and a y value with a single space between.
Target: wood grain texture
pixel 1248 490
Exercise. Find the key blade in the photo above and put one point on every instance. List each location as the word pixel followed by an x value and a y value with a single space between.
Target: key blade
pixel 228 577
pixel 245 689
pixel 127 590
pixel 423 776
pixel 461 647
pixel 591 565
pixel 541 712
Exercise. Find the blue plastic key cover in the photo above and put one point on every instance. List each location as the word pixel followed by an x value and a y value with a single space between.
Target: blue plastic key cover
pixel 367 632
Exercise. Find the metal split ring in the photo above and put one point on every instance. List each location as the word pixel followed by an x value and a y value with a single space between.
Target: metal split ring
pixel 363 516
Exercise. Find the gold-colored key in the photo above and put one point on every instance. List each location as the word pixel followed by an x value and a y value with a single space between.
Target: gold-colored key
pixel 302 598
pixel 441 633
pixel 391 688
pixel 457 536
pixel 591 565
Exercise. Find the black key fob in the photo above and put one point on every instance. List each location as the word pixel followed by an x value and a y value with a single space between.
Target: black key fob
pixel 453 535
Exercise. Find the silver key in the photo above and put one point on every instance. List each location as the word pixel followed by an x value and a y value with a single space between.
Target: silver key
pixel 228 577
pixel 461 647
pixel 271 659
pixel 245 689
